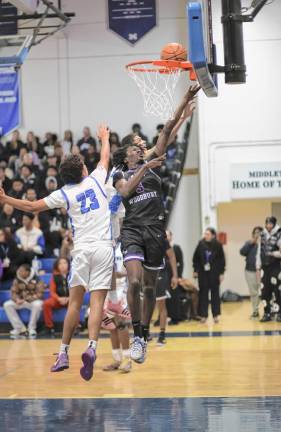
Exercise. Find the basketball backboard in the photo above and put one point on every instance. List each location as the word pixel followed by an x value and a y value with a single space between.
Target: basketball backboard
pixel 201 50
pixel 13 50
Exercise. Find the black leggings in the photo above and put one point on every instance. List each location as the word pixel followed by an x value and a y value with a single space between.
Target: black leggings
pixel 271 282
pixel 208 281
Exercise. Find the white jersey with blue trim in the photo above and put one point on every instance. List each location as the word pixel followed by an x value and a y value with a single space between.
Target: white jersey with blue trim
pixel 116 206
pixel 87 207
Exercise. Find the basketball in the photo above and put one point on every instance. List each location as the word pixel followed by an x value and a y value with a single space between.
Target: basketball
pixel 174 51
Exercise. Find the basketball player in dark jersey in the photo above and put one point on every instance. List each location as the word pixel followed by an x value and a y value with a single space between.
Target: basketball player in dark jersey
pixel 143 233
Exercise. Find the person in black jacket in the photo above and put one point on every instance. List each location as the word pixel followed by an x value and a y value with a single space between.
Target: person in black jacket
pixel 10 255
pixel 249 251
pixel 209 268
pixel 269 261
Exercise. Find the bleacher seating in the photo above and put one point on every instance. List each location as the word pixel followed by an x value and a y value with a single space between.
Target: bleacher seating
pixel 47 266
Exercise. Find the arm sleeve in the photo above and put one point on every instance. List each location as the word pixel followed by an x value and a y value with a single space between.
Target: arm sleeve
pixel 195 260
pixel 100 173
pixel 56 200
pixel 222 260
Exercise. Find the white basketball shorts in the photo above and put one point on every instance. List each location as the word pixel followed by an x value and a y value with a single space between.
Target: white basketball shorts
pixel 92 268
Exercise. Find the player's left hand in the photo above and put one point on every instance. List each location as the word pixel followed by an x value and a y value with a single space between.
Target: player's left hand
pixel 103 132
pixel 189 109
pixel 174 282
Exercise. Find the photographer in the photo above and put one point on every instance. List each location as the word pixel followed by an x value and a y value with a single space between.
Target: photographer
pixel 252 275
pixel 268 260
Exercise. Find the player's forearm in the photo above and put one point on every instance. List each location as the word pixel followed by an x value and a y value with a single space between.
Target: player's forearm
pixel 105 151
pixel 19 204
pixel 175 130
pixel 173 262
pixel 164 137
pixel 130 185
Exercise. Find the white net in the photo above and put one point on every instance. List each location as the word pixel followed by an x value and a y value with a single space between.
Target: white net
pixel 157 89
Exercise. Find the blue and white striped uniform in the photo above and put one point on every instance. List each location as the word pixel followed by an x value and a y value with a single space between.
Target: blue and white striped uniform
pixel 88 210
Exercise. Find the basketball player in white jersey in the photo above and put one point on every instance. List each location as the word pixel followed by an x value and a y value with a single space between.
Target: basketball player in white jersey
pixel 85 199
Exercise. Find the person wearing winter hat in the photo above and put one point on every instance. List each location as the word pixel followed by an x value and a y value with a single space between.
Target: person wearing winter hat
pixel 269 261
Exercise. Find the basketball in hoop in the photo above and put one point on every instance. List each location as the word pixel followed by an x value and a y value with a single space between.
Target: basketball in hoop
pixel 157 80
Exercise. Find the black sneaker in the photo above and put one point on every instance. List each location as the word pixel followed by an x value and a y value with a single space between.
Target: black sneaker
pixel 255 315
pixel 161 340
pixel 149 337
pixel 266 318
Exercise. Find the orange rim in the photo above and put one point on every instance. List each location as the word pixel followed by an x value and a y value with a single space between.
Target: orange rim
pixel 162 66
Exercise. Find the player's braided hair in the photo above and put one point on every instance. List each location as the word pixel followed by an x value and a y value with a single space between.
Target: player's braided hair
pixel 71 169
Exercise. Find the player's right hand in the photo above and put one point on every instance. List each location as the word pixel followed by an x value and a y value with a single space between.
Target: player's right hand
pixel 103 132
pixel 192 91
pixel 157 162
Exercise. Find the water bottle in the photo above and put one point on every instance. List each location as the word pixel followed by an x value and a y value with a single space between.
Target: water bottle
pixel 35 265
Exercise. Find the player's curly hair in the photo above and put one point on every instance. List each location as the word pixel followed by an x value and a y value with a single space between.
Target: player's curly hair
pixel 71 169
pixel 119 157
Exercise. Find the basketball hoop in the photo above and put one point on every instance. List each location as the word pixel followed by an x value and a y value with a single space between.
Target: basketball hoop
pixel 157 80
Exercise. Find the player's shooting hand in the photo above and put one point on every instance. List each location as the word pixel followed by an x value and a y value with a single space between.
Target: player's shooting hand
pixel 157 162
pixel 103 132
pixel 192 91
pixel 139 142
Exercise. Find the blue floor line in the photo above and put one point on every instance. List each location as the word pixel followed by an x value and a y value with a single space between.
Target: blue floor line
pixel 178 334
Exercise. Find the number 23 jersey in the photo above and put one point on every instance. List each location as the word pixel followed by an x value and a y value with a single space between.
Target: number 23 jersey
pixel 87 207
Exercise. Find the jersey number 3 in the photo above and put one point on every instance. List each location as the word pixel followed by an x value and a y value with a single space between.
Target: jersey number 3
pixel 88 201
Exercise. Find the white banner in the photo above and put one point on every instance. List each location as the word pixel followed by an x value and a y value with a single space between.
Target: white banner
pixel 257 180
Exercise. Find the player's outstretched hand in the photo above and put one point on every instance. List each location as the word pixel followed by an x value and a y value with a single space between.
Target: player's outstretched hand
pixel 2 194
pixel 192 91
pixel 103 132
pixel 157 162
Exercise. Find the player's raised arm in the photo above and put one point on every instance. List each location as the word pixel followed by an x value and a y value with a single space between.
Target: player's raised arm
pixel 126 187
pixel 103 135
pixel 24 205
pixel 163 139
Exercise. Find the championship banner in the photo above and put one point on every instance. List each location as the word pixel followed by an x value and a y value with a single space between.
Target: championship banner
pixel 132 20
pixel 9 101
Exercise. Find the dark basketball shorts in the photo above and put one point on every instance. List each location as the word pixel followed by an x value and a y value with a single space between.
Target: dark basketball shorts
pixel 146 244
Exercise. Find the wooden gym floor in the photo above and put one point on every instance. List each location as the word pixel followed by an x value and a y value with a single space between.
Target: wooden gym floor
pixel 228 367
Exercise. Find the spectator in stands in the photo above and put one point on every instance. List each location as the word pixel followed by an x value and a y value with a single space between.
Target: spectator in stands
pixel 33 145
pixel 10 218
pixel 26 293
pixel 92 158
pixel 31 194
pixel 114 142
pixel 49 144
pixel 59 294
pixel 249 251
pixel 54 227
pixel 32 160
pixel 137 130
pixel 209 268
pixel 17 190
pixel 28 177
pixel 170 154
pixel 159 129
pixel 86 140
pixel 67 245
pixel 13 147
pixel 30 239
pixel 18 162
pixel 58 153
pixel 67 142
pixel 5 182
pixel 10 255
